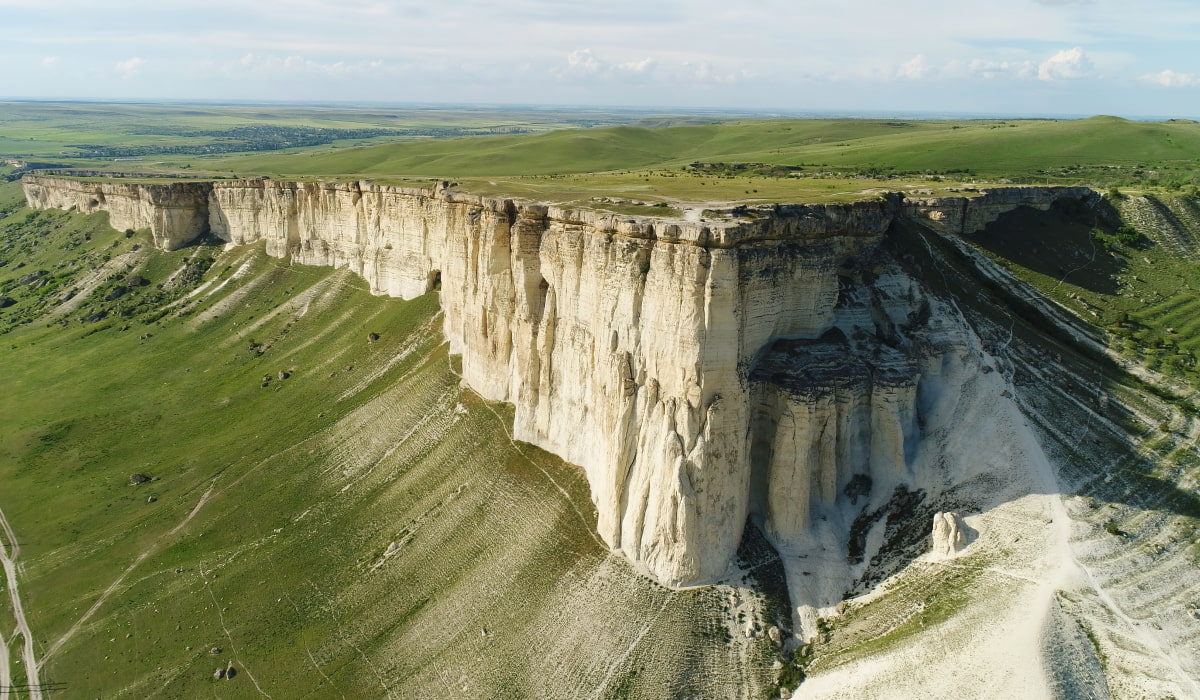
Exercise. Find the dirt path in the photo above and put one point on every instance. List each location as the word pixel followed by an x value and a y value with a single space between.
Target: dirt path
pixel 116 584
pixel 1071 569
pixel 10 549
pixel 5 674
pixel 228 635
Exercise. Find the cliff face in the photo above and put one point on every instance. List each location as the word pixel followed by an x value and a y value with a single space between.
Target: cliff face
pixel 624 345
pixel 965 215
pixel 699 373
pixel 175 213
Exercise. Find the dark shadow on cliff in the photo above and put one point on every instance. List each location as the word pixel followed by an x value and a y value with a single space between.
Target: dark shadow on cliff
pixel 1065 383
pixel 1059 243
pixel 764 572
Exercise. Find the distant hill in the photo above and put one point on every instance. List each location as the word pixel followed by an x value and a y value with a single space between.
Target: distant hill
pixel 992 147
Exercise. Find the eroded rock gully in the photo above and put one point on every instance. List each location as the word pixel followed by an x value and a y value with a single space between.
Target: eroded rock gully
pixel 781 367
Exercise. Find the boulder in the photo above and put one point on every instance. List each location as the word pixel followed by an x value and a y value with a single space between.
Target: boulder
pixel 948 538
pixel 116 293
pixel 138 478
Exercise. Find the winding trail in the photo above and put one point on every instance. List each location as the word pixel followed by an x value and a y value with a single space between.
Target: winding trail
pixel 1072 570
pixel 10 549
pixel 228 634
pixel 120 579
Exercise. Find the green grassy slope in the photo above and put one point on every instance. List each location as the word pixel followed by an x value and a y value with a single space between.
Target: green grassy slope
pixel 363 527
pixel 1139 290
pixel 1021 148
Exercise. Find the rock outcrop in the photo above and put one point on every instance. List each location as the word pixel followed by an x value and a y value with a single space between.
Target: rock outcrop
pixel 701 374
pixel 965 215
pixel 948 537
pixel 176 213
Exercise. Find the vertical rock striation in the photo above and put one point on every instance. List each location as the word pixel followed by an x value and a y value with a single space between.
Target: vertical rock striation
pixel 176 213
pixel 774 368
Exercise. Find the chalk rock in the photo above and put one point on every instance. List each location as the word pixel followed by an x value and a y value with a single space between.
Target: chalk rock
pixel 699 373
pixel 948 538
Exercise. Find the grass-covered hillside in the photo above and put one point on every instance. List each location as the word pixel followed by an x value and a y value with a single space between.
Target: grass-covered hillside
pixel 765 161
pixel 327 515
pixel 994 149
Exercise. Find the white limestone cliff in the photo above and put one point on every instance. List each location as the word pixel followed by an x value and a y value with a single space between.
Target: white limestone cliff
pixel 175 213
pixel 699 373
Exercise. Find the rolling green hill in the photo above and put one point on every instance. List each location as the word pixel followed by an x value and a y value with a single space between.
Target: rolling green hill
pixel 986 148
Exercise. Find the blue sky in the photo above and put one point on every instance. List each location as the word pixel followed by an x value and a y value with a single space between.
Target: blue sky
pixel 1132 58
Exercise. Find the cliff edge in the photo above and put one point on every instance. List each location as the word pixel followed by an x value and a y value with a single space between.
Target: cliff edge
pixel 782 367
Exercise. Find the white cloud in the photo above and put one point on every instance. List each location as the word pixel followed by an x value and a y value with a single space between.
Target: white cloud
pixel 1169 78
pixel 915 68
pixel 583 60
pixel 585 63
pixel 130 67
pixel 990 69
pixel 50 62
pixel 704 73
pixel 643 66
pixel 1068 64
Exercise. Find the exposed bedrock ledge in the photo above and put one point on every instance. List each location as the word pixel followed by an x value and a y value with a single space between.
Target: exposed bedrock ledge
pixel 639 349
pixel 176 213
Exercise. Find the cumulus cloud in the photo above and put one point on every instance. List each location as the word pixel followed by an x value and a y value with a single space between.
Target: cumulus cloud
pixel 990 69
pixel 915 68
pixel 708 75
pixel 130 67
pixel 1169 78
pixel 643 66
pixel 1068 64
pixel 583 60
pixel 585 63
pixel 921 67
